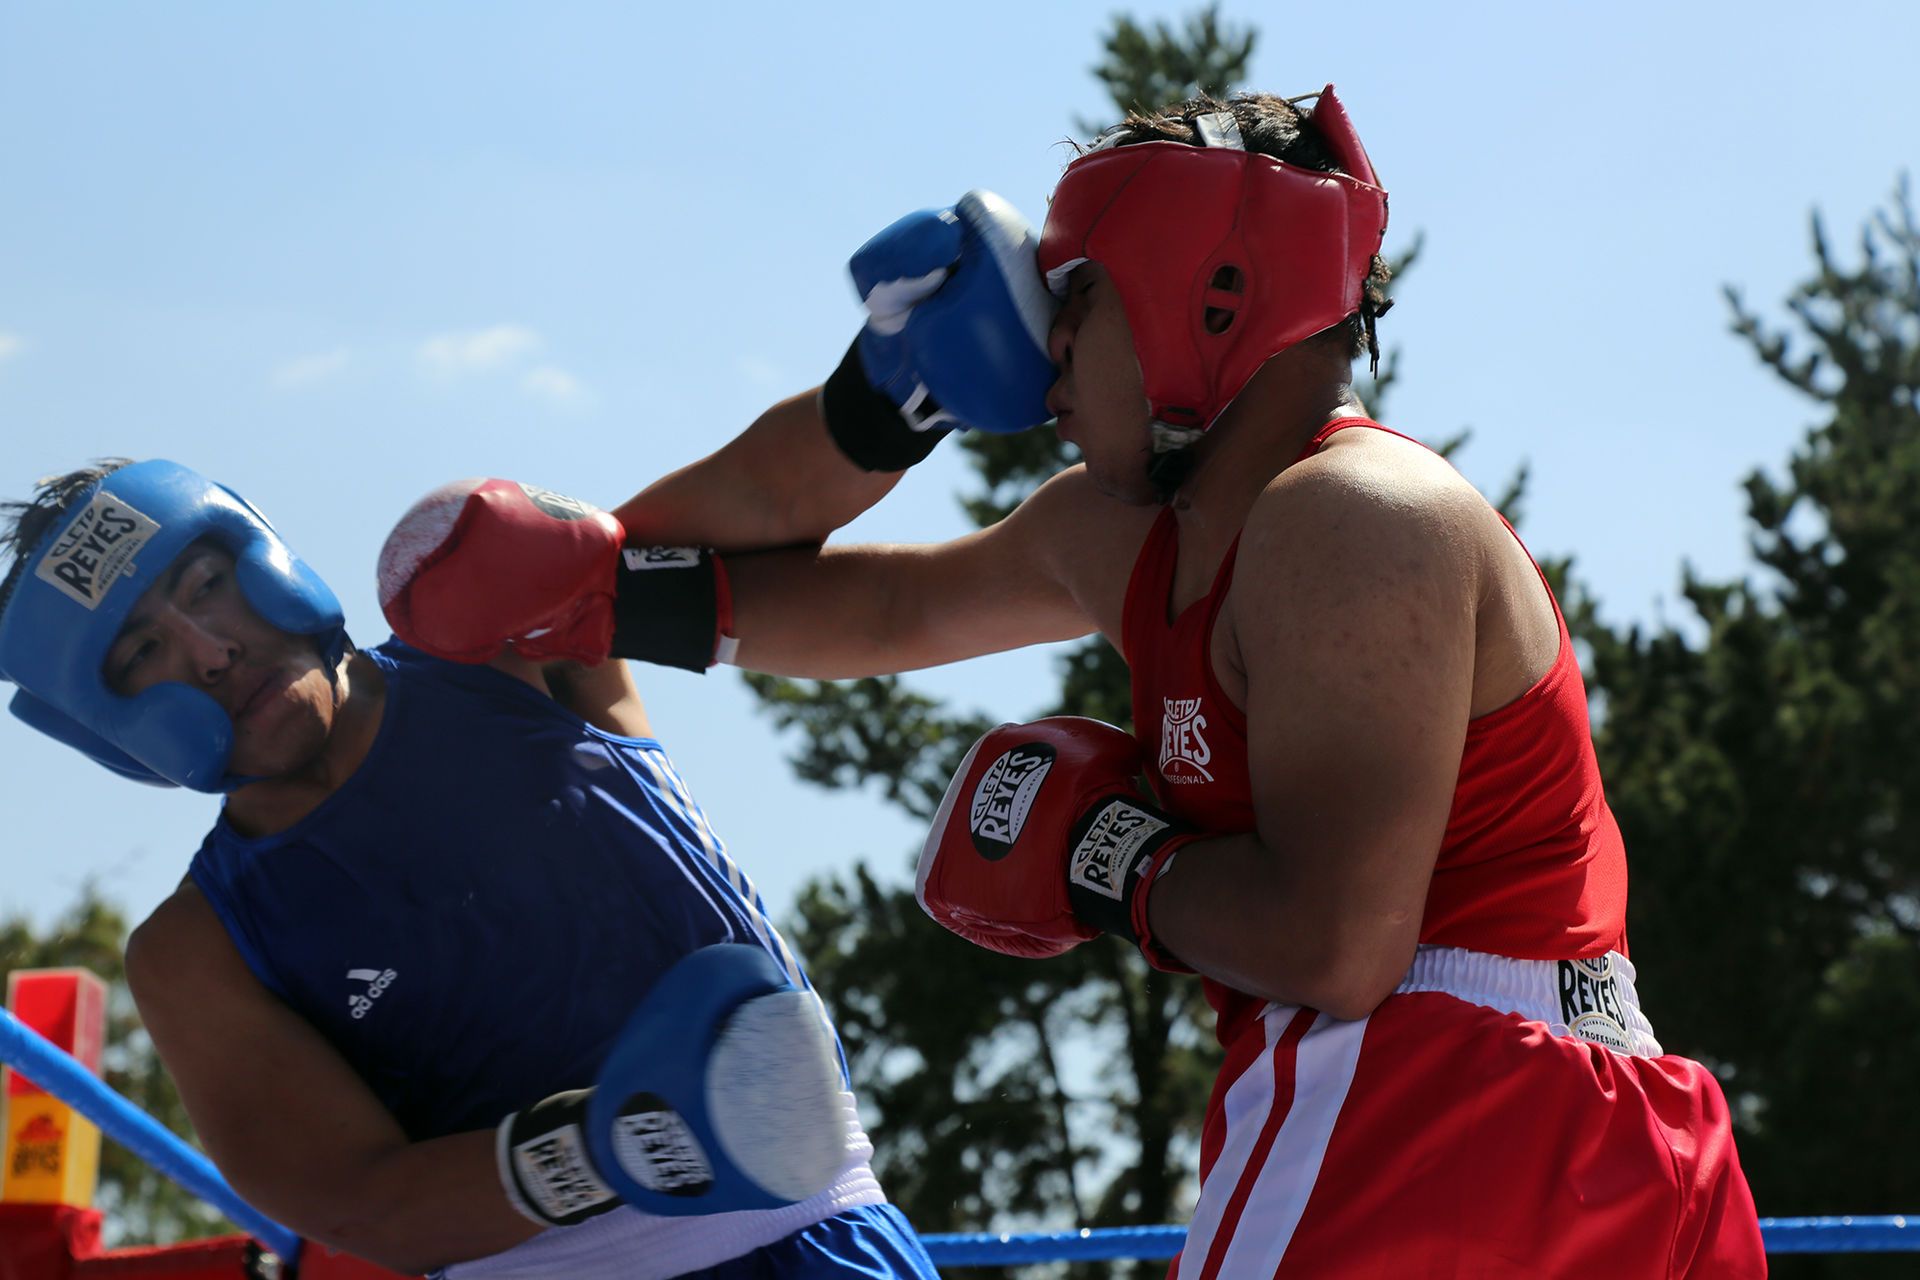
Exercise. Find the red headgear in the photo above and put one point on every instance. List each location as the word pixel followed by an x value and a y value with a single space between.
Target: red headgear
pixel 1168 220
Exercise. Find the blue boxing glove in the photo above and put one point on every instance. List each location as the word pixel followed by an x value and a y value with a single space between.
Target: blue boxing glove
pixel 723 1092
pixel 956 334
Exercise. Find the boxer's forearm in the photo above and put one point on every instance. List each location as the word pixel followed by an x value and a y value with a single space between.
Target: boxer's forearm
pixel 1259 920
pixel 779 483
pixel 838 613
pixel 413 1208
pixel 830 614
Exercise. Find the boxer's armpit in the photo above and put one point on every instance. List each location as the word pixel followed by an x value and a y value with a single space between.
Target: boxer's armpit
pixel 605 696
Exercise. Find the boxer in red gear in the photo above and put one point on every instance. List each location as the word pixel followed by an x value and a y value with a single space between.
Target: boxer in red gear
pixel 1408 904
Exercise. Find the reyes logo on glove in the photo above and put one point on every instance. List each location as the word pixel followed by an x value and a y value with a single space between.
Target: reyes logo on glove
pixel 637 558
pixel 1109 847
pixel 657 1149
pixel 559 505
pixel 553 1170
pixel 1005 796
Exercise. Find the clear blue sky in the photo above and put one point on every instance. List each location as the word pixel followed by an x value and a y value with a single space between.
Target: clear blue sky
pixel 334 255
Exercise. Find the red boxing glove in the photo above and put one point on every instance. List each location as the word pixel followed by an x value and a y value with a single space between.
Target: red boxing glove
pixel 1044 841
pixel 480 566
pixel 477 566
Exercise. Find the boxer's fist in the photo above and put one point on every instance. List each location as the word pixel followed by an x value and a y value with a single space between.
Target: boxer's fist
pixel 1044 840
pixel 958 313
pixel 723 1092
pixel 478 566
pixel 956 333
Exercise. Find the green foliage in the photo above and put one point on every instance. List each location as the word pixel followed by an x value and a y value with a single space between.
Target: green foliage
pixel 871 730
pixel 1767 777
pixel 141 1206
pixel 1147 69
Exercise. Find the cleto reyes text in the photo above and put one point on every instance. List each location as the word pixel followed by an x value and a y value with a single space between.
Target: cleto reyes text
pixel 95 549
pixel 1005 796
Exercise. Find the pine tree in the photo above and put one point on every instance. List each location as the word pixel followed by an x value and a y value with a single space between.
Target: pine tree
pixel 1146 69
pixel 1767 777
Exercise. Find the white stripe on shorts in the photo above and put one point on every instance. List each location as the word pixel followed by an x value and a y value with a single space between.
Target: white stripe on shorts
pixel 1324 1064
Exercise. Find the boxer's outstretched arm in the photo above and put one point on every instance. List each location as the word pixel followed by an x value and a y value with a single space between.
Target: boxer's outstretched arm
pixel 780 482
pixel 841 612
pixel 290 1124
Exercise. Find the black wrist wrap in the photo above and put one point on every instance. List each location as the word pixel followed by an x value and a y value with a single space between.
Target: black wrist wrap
pixel 666 606
pixel 867 425
pixel 1111 845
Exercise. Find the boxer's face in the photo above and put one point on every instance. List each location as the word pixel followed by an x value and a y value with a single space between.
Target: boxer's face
pixel 194 626
pixel 1098 398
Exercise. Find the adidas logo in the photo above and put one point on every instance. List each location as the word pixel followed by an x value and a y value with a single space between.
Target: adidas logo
pixel 377 980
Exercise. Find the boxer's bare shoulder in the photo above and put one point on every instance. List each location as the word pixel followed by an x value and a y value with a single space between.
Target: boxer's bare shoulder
pixel 1388 468
pixel 1376 514
pixel 1409 495
pixel 1089 541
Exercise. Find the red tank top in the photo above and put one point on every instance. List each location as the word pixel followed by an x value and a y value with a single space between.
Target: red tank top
pixel 1531 865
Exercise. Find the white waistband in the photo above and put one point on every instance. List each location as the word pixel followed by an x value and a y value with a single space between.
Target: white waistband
pixel 1591 1000
pixel 632 1245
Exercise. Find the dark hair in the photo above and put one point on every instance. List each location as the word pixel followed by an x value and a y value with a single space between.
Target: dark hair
pixel 24 525
pixel 1273 127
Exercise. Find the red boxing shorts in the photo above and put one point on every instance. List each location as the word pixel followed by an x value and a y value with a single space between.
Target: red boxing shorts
pixel 1473 1126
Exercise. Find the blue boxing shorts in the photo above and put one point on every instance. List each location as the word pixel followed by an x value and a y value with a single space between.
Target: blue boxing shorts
pixel 870 1240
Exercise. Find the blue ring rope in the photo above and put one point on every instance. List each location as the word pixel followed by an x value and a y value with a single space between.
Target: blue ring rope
pixel 1889 1233
pixel 1853 1233
pixel 56 1071
pixel 53 1069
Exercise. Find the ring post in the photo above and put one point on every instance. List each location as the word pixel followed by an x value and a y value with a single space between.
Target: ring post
pixel 52 1154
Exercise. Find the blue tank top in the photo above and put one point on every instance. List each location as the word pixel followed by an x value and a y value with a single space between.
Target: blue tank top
pixel 473 915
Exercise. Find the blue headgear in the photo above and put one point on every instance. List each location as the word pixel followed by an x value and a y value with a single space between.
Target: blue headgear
pixel 74 594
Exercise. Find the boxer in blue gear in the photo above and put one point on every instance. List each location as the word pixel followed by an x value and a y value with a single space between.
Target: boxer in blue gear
pixel 108 552
pixel 434 896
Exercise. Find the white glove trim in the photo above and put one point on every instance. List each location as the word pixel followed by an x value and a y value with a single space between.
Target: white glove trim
pixel 565 1183
pixel 420 533
pixel 889 301
pixel 1057 278
pixel 930 849
pixel 1016 253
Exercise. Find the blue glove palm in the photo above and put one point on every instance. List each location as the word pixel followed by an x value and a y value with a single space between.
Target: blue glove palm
pixel 723 1092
